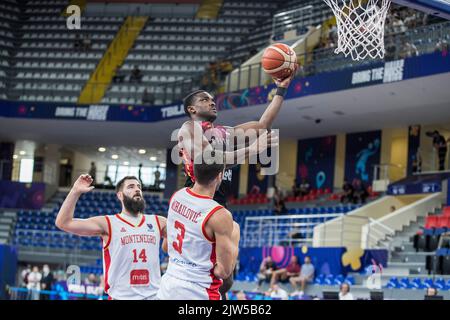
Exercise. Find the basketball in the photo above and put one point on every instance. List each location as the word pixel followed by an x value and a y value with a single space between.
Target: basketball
pixel 279 61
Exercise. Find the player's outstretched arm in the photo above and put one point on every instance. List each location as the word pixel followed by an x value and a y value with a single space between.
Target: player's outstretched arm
pixel 227 240
pixel 272 110
pixel 95 226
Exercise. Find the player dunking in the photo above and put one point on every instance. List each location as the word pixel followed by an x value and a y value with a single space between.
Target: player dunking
pixel 200 107
pixel 202 239
pixel 131 239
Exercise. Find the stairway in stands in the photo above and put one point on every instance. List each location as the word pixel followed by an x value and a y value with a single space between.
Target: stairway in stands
pixel 115 55
pixel 7 219
pixel 209 9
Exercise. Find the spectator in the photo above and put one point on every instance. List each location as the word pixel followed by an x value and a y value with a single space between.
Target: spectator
pixel 393 208
pixel 295 188
pixel 410 18
pixel 65 174
pixel 225 68
pixel 107 179
pixel 241 295
pixel 91 280
pixel 87 43
pixel 344 292
pixel 390 49
pixel 157 177
pixel 417 163
pixel 295 235
pixel 279 205
pixel 136 75
pixel 34 283
pixel 148 98
pixel 306 275
pixel 47 281
pixel 442 46
pixel 304 187
pixel 431 292
pixel 292 270
pixel 440 145
pixel 266 269
pixel 408 50
pixel 360 192
pixel 348 192
pixel 93 172
pixel 24 275
pixel 277 293
pixel 119 76
pixel 398 25
pixel 255 189
pixel 140 172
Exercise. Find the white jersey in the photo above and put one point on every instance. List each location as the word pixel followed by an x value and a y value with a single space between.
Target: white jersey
pixel 131 258
pixel 192 255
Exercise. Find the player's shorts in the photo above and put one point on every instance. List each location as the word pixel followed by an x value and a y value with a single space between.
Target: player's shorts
pixel 172 288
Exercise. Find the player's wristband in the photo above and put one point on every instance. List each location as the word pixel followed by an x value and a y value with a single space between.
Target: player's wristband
pixel 281 91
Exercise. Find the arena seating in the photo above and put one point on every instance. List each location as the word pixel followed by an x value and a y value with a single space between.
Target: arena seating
pixel 260 36
pixel 170 52
pixel 8 16
pixel 46 53
pixel 428 237
pixel 417 283
pixel 37 228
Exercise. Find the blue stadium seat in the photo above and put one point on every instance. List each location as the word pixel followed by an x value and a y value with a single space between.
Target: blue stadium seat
pixel 428 283
pixel 338 280
pixel 440 284
pixel 350 280
pixel 329 280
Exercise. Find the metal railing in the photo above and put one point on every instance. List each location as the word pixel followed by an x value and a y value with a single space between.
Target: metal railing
pixel 290 20
pixel 278 230
pixel 383 173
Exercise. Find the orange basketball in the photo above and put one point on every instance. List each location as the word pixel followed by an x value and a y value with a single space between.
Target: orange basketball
pixel 279 61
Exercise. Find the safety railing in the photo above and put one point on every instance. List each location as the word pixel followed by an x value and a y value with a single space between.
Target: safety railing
pixel 282 230
pixel 17 293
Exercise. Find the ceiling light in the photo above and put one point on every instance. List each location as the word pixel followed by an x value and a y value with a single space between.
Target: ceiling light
pixel 162 165
pixel 22 153
pixel 142 151
pixel 15 156
pixel 102 149
pixel 114 157
pixel 126 163
pixel 152 158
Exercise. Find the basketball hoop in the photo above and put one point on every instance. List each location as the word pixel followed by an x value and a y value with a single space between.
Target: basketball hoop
pixel 360 27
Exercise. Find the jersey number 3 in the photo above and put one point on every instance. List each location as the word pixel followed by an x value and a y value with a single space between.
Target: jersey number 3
pixel 178 245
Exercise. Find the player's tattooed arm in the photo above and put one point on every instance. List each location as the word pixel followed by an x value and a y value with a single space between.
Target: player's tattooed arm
pixel 94 226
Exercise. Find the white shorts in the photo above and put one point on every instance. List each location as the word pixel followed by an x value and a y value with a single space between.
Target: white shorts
pixel 172 288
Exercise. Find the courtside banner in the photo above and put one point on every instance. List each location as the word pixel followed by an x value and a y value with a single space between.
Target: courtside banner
pixel 366 75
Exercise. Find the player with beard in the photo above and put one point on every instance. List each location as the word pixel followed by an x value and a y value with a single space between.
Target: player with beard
pixel 201 109
pixel 131 239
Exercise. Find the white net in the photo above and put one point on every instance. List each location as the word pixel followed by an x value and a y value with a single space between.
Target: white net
pixel 360 27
